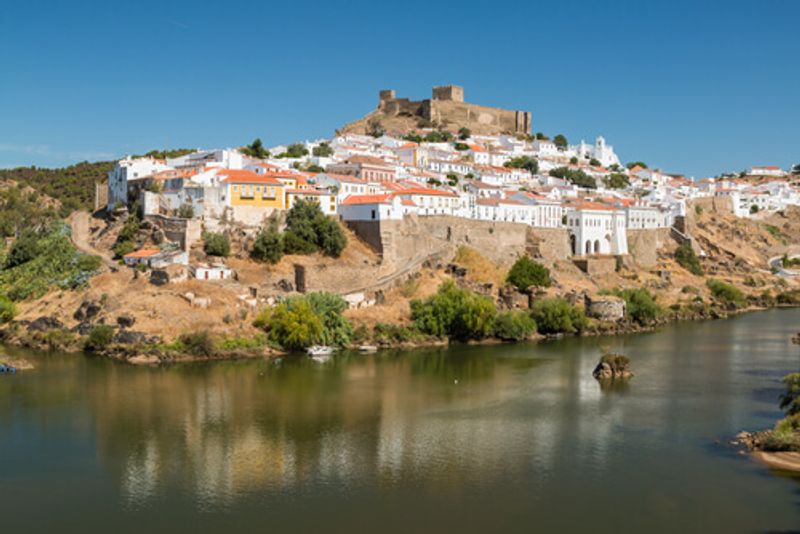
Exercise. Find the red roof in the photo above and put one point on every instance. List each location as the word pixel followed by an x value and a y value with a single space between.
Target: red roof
pixel 354 200
pixel 247 177
pixel 143 253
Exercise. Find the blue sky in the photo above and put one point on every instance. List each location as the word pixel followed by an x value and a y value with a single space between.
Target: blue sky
pixel 693 87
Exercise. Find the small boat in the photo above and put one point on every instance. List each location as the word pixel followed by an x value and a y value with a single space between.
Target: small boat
pixel 319 350
pixel 7 369
pixel 367 348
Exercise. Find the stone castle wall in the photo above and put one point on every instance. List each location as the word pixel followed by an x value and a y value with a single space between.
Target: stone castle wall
pixel 414 239
pixel 643 245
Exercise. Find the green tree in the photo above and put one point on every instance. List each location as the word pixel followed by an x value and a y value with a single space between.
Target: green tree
pixel 293 325
pixel 323 150
pixel 514 326
pixel 633 164
pixel 24 249
pixel 215 244
pixel 595 163
pixel 295 150
pixel 464 133
pixel 336 328
pixel 541 136
pixel 686 258
pixel 754 208
pixel 616 180
pixel 557 316
pixel 255 149
pixel 268 246
pixel 330 237
pixel 454 312
pixel 560 141
pixel 461 147
pixel 577 177
pixel 523 162
pixel 526 273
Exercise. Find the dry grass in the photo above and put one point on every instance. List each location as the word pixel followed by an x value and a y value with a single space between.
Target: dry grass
pixel 479 268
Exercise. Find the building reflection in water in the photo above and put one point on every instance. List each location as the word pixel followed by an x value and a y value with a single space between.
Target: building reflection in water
pixel 223 431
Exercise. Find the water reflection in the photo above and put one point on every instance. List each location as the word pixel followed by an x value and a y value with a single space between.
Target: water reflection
pixel 529 418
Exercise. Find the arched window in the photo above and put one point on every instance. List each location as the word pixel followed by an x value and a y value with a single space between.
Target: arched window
pixel 597 246
pixel 588 247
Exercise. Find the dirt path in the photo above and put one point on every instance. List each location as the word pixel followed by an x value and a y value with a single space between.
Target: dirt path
pixel 80 221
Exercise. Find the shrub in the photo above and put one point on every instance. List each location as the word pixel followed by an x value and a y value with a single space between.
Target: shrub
pixel 216 244
pixel 640 305
pixel 186 211
pixel 24 249
pixel 687 259
pixel 124 247
pixel 514 326
pixel 526 273
pixel 454 312
pixel 99 338
pixel 556 316
pixel 293 325
pixel 330 237
pixel 790 399
pixel 577 177
pixel 198 343
pixel 268 246
pixel 394 333
pixel 7 310
pixel 323 150
pixel 336 328
pixel 726 292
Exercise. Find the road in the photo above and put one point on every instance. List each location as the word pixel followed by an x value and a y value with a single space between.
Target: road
pixel 80 222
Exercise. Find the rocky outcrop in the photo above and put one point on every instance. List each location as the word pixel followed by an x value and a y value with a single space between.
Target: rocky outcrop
pixel 43 324
pixel 612 367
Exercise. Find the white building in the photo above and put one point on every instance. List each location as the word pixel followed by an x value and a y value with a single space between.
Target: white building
pixel 596 228
pixel 770 170
pixel 127 171
pixel 600 151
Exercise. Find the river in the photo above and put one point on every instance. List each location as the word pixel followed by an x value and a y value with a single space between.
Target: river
pixel 509 438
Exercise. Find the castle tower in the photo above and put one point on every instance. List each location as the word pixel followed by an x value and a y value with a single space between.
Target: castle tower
pixel 454 93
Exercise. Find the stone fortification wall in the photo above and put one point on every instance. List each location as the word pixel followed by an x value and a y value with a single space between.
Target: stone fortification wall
pixel 415 239
pixel 643 245
pixel 461 113
pixel 182 231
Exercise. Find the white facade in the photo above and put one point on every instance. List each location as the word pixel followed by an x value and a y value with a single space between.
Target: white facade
pixel 595 229
pixel 386 207
pixel 128 170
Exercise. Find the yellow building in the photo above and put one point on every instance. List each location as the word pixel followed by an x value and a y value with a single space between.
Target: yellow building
pixel 246 188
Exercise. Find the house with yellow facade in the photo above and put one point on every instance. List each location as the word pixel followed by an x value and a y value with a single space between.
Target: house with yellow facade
pixel 246 188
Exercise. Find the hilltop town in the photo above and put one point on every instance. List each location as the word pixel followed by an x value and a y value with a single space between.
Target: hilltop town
pixel 413 195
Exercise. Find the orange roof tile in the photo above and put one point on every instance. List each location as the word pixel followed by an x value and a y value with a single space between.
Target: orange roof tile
pixel 143 253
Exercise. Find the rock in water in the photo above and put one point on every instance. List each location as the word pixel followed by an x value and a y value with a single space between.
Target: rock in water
pixel 612 366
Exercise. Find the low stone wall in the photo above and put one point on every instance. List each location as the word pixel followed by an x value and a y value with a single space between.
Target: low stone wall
pixel 605 307
pixel 596 265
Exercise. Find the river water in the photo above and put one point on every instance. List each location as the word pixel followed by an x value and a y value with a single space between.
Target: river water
pixel 511 438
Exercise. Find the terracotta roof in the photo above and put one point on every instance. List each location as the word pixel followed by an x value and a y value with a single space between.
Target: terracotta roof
pixel 354 200
pixel 306 192
pixel 369 160
pixel 143 253
pixel 247 177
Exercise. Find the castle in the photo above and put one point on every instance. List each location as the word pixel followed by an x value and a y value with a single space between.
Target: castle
pixel 447 107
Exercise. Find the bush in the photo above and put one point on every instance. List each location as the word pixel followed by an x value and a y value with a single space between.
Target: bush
pixel 394 333
pixel 726 292
pixel 308 230
pixel 198 343
pixel 514 326
pixel 526 273
pixel 687 259
pixel 790 399
pixel 7 310
pixel 124 247
pixel 186 211
pixel 293 324
pixel 268 246
pixel 557 316
pixel 640 305
pixel 24 249
pixel 577 177
pixel 302 321
pixel 454 312
pixel 330 237
pixel 323 150
pixel 99 338
pixel 216 244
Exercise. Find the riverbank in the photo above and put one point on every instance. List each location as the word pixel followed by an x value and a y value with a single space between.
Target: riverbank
pixel 139 348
